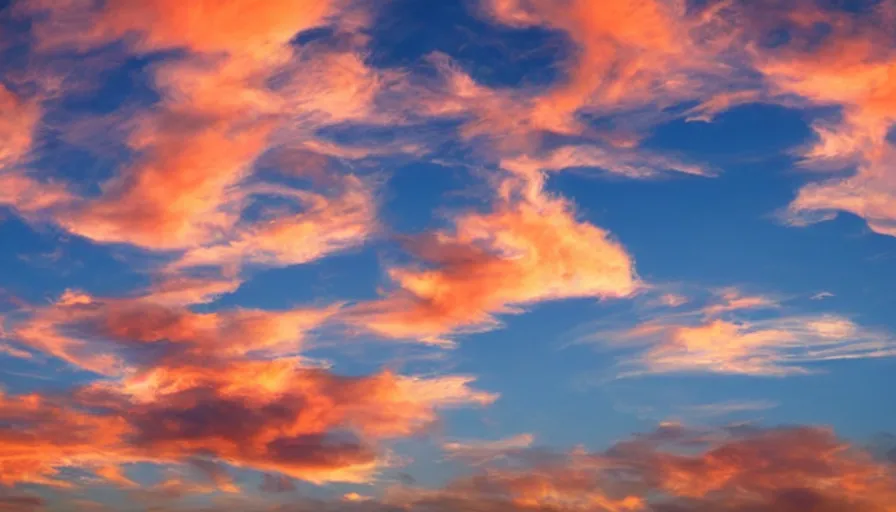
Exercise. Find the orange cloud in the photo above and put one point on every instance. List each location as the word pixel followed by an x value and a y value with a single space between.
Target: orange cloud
pixel 222 106
pixel 324 225
pixel 672 468
pixel 178 197
pixel 185 289
pixel 266 415
pixel 526 250
pixel 18 119
pixel 730 332
pixel 109 336
pixel 707 110
pixel 627 49
pixel 731 299
pixel 115 474
pixel 784 470
pixel 772 347
pixel 205 26
pixel 851 68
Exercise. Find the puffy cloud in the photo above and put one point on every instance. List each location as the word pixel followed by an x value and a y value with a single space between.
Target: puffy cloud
pixel 525 250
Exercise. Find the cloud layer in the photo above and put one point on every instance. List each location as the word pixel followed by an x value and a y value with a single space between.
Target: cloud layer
pixel 203 144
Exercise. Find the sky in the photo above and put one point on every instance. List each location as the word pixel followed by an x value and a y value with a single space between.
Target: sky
pixel 447 256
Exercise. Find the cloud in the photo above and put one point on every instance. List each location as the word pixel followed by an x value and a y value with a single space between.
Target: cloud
pixel 620 79
pixel 525 250
pixel 216 474
pixel 731 299
pixel 21 503
pixel 682 470
pixel 19 120
pixel 674 468
pixel 733 333
pixel 114 336
pixel 276 483
pixel 205 389
pixel 242 26
pixel 480 452
pixel 631 164
pixel 115 474
pixel 728 408
pixel 718 103
pixel 324 225
pixel 267 415
pixel 189 189
pixel 672 300
pixel 849 68
pixel 628 54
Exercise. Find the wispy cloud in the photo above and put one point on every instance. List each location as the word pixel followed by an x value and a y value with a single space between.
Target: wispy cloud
pixel 733 333
pixel 529 248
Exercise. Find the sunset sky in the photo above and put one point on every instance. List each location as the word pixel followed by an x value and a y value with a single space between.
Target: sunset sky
pixel 448 255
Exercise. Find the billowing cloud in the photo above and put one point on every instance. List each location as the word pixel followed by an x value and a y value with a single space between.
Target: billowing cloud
pixel 525 250
pixel 204 389
pixel 268 415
